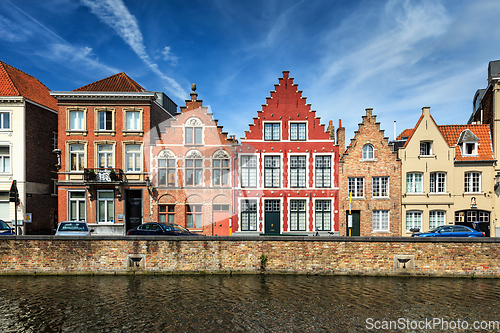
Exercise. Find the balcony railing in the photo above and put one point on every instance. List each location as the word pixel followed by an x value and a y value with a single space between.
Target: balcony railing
pixel 103 175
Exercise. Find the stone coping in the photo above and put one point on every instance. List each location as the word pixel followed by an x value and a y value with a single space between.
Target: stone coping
pixel 263 238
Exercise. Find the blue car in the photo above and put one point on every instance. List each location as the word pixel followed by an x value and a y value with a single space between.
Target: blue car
pixel 5 229
pixel 450 231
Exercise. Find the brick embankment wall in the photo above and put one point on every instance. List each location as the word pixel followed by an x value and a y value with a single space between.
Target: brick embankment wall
pixel 250 255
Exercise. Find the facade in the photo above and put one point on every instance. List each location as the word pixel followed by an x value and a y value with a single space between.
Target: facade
pixel 28 135
pixel 370 183
pixel 104 132
pixel 192 171
pixel 287 169
pixel 447 176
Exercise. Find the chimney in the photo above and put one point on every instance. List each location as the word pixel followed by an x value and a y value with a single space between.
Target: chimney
pixel 426 111
pixel 331 130
pixel 369 112
pixel 395 132
pixel 341 138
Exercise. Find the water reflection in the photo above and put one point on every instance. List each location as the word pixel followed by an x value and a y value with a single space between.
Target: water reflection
pixel 235 303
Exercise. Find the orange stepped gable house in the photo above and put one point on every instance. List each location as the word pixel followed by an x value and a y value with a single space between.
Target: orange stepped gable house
pixel 104 134
pixel 192 171
pixel 287 169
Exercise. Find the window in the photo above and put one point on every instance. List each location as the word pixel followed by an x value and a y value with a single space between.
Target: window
pixel 76 120
pixel 323 215
pixel 297 215
pixel 193 216
pixel 425 148
pixel 438 182
pixel 105 120
pixel 76 157
pixel 4 120
pixel 4 205
pixel 194 172
pixel 55 140
pixel 368 152
pixel 437 218
pixel 271 132
pixel 380 187
pixel 193 135
pixel 413 220
pixel 133 121
pixel 356 187
pixel 297 171
pixel 380 220
pixel 76 206
pixel 133 157
pixel 472 182
pixel 166 172
pixel 271 171
pixel 323 171
pixel 297 131
pixel 248 171
pixel 5 159
pixel 220 171
pixel 105 206
pixel 469 148
pixel 473 216
pixel 166 213
pixel 414 183
pixel 105 156
pixel 249 215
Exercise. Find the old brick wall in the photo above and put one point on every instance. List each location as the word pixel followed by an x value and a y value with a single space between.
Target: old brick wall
pixel 302 255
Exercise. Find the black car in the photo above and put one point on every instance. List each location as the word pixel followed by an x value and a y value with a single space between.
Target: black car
pixel 160 229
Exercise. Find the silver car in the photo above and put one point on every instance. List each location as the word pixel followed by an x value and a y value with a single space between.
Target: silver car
pixel 73 228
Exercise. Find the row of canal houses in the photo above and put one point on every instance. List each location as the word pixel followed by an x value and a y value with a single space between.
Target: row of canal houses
pixel 116 155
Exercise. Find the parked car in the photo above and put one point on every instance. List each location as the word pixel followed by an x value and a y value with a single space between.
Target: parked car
pixel 73 228
pixel 450 231
pixel 5 229
pixel 158 228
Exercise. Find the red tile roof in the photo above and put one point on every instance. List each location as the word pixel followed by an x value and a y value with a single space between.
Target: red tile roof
pixel 120 82
pixel 451 133
pixel 14 82
pixel 405 134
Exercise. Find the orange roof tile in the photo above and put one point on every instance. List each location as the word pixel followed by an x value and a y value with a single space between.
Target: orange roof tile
pixel 405 134
pixel 14 82
pixel 120 82
pixel 451 133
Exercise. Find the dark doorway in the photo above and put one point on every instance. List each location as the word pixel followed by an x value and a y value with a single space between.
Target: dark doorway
pixel 473 218
pixel 355 230
pixel 133 208
pixel 272 216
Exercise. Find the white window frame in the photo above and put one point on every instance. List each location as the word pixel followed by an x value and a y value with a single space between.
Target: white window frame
pixel 194 213
pixel 274 136
pixel 194 168
pixel 380 220
pixel 250 213
pixel 299 213
pixel 414 183
pixel 128 153
pixel 98 112
pixel 380 185
pixel 78 201
pixel 469 181
pixel 272 169
pixel 474 150
pixel 295 172
pixel 106 201
pixel 425 148
pixel 413 219
pixel 321 175
pixel 137 122
pixel 434 218
pixel 79 154
pixel 106 154
pixel 368 152
pixel 437 182
pixel 325 225
pixel 3 114
pixel 6 160
pixel 69 123
pixel 296 136
pixel 4 201
pixel 247 171
pixel 356 187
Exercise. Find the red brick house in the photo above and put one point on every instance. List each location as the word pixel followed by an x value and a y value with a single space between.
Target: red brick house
pixel 370 177
pixel 28 135
pixel 104 134
pixel 287 169
pixel 192 168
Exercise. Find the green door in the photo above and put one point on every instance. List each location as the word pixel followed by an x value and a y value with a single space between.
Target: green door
pixel 355 230
pixel 272 216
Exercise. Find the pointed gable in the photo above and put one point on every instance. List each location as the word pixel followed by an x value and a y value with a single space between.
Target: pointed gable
pixel 14 82
pixel 120 82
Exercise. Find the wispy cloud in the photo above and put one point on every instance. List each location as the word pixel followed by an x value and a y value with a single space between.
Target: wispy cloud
pixel 12 32
pixel 169 56
pixel 115 14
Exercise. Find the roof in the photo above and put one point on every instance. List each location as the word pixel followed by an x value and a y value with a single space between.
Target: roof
pixel 120 82
pixel 451 134
pixel 405 134
pixel 14 82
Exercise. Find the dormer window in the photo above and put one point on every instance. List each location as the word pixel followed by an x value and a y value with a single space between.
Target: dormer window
pixel 468 143
pixel 425 148
pixel 469 148
pixel 368 152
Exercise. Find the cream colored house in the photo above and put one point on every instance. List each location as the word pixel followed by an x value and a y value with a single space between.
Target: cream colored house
pixel 447 176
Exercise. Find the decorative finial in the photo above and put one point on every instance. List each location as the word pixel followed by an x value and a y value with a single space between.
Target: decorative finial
pixel 193 87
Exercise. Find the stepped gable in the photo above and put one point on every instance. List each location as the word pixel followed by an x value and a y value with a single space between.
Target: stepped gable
pixel 120 82
pixel 368 118
pixel 287 102
pixel 451 133
pixel 14 82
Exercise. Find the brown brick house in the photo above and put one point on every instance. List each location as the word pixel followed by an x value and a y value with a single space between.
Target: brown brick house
pixel 104 133
pixel 370 177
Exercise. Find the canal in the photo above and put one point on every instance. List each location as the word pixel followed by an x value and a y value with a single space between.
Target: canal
pixel 241 303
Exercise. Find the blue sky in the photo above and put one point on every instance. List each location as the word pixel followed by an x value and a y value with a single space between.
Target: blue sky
pixel 393 56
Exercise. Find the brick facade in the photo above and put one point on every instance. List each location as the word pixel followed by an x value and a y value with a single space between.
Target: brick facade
pixel 380 175
pixel 198 197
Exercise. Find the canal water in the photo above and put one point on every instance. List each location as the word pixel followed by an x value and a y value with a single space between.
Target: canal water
pixel 243 303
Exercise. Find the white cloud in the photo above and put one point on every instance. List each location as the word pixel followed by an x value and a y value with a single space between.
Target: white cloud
pixel 169 56
pixel 115 14
pixel 13 32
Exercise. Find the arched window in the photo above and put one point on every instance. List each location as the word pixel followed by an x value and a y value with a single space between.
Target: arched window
pixel 193 132
pixel 193 168
pixel 220 168
pixel 368 152
pixel 166 168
